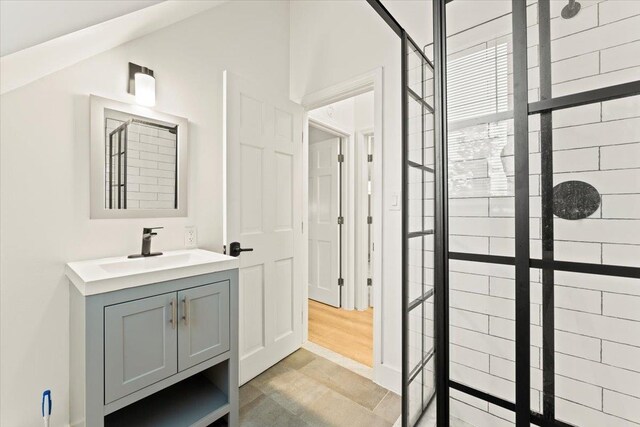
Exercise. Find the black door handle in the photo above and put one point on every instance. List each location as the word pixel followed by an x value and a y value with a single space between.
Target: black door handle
pixel 235 249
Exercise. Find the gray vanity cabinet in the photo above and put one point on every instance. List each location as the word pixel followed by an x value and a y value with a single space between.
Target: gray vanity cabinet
pixel 204 323
pixel 163 354
pixel 140 339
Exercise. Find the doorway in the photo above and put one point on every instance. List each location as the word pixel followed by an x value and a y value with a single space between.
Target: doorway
pixel 341 240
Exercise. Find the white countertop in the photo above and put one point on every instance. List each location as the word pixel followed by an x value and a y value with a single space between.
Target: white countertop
pixel 111 274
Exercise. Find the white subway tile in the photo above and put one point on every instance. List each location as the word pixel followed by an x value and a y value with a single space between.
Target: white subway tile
pixel 621 108
pixel 156 204
pixel 608 328
pixel 158 157
pixel 620 156
pixel 167 150
pixel 143 163
pixel 468 399
pixel 469 207
pixel 141 179
pixel 595 373
pixel 497 270
pixel 468 320
pixel 505 288
pixel 623 356
pixel 578 299
pixel 141 196
pixel 497 386
pixel 621 255
pixel 166 196
pixel 484 343
pixel 585 159
pixel 578 392
pixel 581 115
pixel 149 188
pixel 615 10
pixel 166 181
pixel 469 282
pixel 468 243
pixel 578 345
pixel 619 57
pixel 157 173
pixel 482 304
pixel 624 306
pixel 502 227
pixel 598 230
pixel 167 166
pixel 622 285
pixel 595 39
pixel 583 416
pixel 143 147
pixel 471 416
pixel 507 369
pixel 471 358
pixel 597 134
pixel 575 68
pixel 148 130
pixel 621 405
pixel 577 251
pixel 612 78
pixel 506 328
pixel 621 206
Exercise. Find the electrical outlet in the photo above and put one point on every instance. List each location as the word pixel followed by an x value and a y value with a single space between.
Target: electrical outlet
pixel 190 237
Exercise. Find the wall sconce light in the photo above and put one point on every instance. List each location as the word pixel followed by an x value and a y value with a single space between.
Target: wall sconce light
pixel 142 84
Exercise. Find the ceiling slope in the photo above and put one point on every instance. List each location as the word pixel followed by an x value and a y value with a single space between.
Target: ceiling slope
pixel 25 66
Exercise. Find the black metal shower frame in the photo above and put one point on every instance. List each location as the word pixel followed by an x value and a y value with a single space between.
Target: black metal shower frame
pixel 522 260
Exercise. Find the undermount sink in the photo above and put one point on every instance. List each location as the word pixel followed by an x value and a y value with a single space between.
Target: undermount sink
pixel 111 274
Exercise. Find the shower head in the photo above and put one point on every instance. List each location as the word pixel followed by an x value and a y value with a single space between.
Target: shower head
pixel 571 9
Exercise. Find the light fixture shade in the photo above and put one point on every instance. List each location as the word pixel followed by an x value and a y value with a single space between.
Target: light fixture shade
pixel 145 89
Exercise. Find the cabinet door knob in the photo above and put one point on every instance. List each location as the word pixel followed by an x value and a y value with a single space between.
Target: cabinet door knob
pixel 185 310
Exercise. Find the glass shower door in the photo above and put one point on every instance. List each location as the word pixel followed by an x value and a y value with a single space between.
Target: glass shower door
pixel 418 233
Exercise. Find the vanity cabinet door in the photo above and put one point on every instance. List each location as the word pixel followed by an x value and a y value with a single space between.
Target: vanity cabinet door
pixel 204 323
pixel 140 344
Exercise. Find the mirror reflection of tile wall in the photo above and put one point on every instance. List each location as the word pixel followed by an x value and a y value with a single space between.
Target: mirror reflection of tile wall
pixel 151 167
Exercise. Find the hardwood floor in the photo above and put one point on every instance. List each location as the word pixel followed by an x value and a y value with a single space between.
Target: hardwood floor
pixel 349 333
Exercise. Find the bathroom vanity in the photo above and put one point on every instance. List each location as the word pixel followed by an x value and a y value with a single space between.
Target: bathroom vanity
pixel 154 341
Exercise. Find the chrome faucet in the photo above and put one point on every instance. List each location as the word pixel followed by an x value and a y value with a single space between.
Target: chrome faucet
pixel 147 234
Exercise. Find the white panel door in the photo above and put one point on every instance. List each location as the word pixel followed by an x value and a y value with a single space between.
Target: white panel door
pixel 264 212
pixel 324 250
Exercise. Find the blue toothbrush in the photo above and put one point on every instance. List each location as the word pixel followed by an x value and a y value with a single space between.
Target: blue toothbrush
pixel 46 407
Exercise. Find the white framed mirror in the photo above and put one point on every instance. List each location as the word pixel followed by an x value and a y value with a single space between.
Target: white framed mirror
pixel 138 161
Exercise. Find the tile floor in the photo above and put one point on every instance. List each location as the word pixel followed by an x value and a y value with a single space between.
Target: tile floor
pixel 308 390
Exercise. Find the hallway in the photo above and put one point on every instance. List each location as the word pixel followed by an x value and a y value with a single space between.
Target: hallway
pixel 347 332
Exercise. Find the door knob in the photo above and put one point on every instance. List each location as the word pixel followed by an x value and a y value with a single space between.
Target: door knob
pixel 235 249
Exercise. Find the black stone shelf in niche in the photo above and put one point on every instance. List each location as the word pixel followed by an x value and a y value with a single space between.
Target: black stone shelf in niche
pixel 575 200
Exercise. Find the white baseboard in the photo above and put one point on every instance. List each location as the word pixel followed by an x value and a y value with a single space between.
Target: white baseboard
pixel 388 377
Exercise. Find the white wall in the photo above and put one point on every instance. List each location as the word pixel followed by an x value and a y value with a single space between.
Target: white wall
pixel 329 46
pixel 45 222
